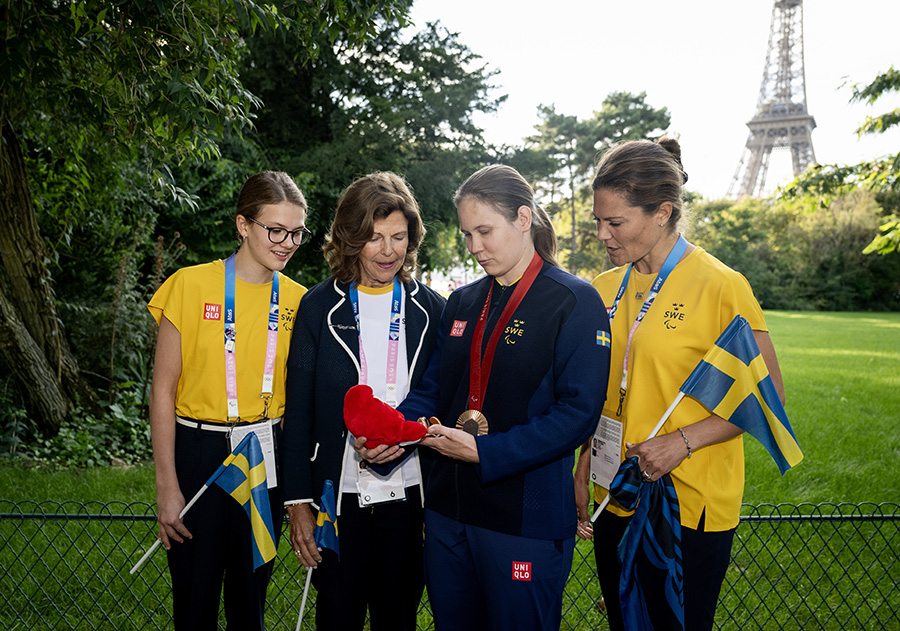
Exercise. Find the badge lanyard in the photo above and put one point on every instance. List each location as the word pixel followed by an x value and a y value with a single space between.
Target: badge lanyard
pixel 230 336
pixel 393 342
pixel 477 382
pixel 671 261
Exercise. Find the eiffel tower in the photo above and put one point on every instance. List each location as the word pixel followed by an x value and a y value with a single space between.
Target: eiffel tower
pixel 781 120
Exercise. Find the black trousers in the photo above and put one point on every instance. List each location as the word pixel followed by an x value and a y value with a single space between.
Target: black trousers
pixel 220 551
pixel 705 558
pixel 380 567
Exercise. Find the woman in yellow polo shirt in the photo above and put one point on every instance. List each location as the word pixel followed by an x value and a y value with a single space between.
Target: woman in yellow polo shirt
pixel 210 316
pixel 637 206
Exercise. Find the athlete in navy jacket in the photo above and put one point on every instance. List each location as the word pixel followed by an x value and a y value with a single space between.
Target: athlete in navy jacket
pixel 500 515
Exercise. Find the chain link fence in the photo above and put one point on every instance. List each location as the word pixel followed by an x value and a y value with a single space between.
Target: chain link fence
pixel 826 566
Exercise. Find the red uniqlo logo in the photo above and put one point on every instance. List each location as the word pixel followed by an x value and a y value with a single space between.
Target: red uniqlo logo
pixel 521 571
pixel 212 312
pixel 458 327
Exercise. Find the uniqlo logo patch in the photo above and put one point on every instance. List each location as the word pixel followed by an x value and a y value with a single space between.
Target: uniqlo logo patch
pixel 521 571
pixel 458 327
pixel 212 312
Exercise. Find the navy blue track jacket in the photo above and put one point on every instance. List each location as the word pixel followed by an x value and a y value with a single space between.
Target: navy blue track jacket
pixel 544 397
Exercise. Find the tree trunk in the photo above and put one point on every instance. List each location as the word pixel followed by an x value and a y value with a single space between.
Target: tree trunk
pixel 44 398
pixel 30 327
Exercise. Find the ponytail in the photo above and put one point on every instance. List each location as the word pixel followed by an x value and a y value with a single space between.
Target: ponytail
pixel 543 234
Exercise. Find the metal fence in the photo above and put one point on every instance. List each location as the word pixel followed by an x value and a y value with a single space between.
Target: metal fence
pixel 827 566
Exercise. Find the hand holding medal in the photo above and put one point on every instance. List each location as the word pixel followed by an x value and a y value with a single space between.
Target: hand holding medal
pixel 451 442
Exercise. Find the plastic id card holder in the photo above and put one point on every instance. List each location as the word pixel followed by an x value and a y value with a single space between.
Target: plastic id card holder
pixel 606 451
pixel 376 489
pixel 266 438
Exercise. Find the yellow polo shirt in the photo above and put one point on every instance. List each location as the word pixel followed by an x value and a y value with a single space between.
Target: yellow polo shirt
pixel 193 299
pixel 698 300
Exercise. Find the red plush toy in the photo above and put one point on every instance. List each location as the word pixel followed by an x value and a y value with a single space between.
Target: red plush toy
pixel 376 420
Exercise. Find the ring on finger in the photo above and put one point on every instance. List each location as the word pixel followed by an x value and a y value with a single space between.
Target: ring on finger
pixel 646 475
pixel 297 553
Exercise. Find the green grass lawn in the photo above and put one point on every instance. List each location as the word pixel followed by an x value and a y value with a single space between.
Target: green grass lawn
pixel 842 378
pixel 100 484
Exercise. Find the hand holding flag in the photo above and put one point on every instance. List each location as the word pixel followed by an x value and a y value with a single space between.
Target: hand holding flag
pixel 243 476
pixel 732 381
pixel 326 535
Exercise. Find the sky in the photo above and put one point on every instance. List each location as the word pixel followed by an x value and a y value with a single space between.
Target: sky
pixel 701 59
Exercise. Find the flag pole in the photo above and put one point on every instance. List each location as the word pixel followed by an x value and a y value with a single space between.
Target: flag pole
pixel 653 432
pixel 305 592
pixel 196 497
pixel 159 541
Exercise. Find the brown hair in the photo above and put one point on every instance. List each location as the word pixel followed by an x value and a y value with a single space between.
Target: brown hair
pixel 505 190
pixel 646 173
pixel 365 201
pixel 268 187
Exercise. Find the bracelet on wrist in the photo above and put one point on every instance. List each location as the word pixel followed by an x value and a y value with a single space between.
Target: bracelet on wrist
pixel 686 442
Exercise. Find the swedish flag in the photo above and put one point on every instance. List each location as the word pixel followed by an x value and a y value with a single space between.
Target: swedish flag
pixel 243 476
pixel 733 382
pixel 603 338
pixel 326 533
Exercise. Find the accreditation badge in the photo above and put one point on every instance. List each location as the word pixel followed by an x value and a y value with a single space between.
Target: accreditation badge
pixel 376 489
pixel 606 451
pixel 266 436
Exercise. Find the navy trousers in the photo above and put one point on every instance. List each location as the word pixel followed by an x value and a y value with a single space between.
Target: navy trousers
pixel 482 579
pixel 380 567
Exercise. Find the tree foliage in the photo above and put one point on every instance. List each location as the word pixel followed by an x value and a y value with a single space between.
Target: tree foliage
pixel 87 87
pixel 571 148
pixel 402 102
pixel 882 175
pixel 797 254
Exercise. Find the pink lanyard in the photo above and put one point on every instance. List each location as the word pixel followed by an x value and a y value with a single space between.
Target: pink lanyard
pixel 393 342
pixel 670 263
pixel 230 339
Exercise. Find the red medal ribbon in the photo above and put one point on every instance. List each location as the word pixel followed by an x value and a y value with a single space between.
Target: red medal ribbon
pixel 477 385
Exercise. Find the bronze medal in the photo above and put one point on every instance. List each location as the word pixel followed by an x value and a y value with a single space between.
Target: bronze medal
pixel 473 422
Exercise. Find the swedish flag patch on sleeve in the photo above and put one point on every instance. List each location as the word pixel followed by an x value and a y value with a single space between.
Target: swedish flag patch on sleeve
pixel 603 339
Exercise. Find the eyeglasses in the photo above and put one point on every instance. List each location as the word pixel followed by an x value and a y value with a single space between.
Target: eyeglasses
pixel 278 235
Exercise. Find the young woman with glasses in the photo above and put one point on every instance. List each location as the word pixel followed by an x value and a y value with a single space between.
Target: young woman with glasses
pixel 224 333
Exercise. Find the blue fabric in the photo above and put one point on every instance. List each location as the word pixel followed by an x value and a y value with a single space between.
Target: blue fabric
pixel 545 393
pixel 479 579
pixel 326 533
pixel 651 586
pixel 323 364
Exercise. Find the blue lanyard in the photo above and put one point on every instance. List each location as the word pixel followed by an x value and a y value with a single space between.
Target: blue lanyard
pixel 393 341
pixel 671 261
pixel 231 335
